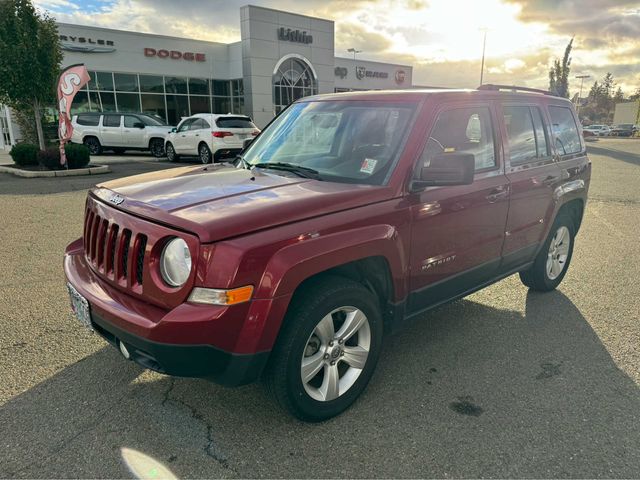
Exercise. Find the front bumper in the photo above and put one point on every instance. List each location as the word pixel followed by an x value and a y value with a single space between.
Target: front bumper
pixel 229 345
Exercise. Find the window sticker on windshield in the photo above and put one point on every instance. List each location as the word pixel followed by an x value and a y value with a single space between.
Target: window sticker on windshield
pixel 449 149
pixel 368 165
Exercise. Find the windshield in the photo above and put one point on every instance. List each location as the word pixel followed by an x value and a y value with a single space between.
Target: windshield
pixel 345 141
pixel 152 120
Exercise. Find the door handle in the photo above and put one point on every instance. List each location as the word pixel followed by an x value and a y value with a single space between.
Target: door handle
pixel 197 135
pixel 498 193
pixel 183 135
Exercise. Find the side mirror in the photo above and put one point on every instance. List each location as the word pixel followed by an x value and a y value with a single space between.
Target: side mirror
pixel 138 125
pixel 173 130
pixel 447 169
pixel 246 143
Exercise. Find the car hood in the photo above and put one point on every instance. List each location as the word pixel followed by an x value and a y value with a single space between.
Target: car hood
pixel 219 201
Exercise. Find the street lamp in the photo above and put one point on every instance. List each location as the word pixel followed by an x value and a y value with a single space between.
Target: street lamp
pixel 484 45
pixel 354 51
pixel 581 77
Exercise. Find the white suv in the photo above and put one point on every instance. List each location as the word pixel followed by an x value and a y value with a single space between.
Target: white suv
pixel 209 136
pixel 120 132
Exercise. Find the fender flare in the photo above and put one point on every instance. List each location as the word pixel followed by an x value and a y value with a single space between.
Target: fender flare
pixel 310 255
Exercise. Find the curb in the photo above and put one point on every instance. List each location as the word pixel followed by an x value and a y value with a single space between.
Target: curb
pixel 56 173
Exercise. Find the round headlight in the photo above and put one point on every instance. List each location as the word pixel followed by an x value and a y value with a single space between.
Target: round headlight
pixel 175 262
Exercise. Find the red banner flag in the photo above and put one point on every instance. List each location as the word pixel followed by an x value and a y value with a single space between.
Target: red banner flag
pixel 71 80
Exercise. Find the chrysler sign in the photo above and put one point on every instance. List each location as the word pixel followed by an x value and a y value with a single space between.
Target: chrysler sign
pixel 74 43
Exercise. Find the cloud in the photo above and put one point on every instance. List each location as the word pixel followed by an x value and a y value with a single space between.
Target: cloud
pixel 350 35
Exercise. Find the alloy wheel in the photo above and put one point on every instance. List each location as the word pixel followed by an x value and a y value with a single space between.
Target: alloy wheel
pixel 558 252
pixel 335 354
pixel 205 154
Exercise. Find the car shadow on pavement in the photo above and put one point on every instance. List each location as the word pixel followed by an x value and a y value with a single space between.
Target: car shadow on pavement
pixel 616 154
pixel 468 390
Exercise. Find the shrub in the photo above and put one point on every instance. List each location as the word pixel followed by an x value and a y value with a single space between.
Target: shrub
pixel 25 154
pixel 50 158
pixel 77 157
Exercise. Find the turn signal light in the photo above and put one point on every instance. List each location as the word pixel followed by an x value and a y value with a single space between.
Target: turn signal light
pixel 222 134
pixel 214 296
pixel 255 132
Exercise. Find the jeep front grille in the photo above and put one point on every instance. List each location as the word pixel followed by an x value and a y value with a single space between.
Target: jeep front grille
pixel 117 253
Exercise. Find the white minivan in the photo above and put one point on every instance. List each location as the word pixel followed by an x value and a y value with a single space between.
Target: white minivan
pixel 209 136
pixel 119 132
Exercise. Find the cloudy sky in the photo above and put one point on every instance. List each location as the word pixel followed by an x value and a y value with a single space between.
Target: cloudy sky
pixel 442 39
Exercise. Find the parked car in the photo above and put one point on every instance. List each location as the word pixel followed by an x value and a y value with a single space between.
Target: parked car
pixel 596 130
pixel 348 216
pixel 622 130
pixel 209 136
pixel 119 132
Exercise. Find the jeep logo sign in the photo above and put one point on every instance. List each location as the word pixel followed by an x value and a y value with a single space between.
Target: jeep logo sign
pixel 295 36
pixel 340 72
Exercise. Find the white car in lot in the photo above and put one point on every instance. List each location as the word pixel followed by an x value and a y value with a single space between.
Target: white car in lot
pixel 209 136
pixel 119 132
pixel 598 130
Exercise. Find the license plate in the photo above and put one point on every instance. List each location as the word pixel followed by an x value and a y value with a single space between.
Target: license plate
pixel 80 307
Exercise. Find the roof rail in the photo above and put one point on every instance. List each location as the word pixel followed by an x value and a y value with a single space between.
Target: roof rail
pixel 514 88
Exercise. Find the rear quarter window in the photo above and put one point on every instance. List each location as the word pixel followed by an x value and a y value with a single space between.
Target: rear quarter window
pixel 234 122
pixel 88 120
pixel 565 130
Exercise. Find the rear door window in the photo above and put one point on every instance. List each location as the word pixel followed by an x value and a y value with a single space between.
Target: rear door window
pixel 200 124
pixel 463 130
pixel 542 145
pixel 111 121
pixel 521 135
pixel 88 120
pixel 234 122
pixel 565 130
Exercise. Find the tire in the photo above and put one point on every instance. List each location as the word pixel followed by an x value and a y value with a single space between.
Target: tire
pixel 204 154
pixel 93 144
pixel 118 151
pixel 314 321
pixel 556 252
pixel 156 147
pixel 172 156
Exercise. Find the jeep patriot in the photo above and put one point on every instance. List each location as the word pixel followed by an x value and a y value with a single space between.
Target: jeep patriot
pixel 347 216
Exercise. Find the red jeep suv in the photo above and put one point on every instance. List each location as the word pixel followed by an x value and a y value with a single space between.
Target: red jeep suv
pixel 348 215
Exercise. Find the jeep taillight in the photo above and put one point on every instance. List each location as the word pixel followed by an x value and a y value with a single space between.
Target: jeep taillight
pixel 222 134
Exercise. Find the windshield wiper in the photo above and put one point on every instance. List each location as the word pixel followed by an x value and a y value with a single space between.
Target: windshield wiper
pixel 299 170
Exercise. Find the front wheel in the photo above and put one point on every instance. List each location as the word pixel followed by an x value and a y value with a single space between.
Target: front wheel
pixel 156 147
pixel 172 156
pixel 93 144
pixel 327 350
pixel 552 262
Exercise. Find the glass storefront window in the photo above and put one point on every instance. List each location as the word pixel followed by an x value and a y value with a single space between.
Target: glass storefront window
pixel 221 87
pixel 198 86
pixel 221 105
pixel 95 102
pixel 238 88
pixel 177 108
pixel 126 82
pixel 238 105
pixel 80 103
pixel 154 104
pixel 108 101
pixel 128 102
pixel 151 83
pixel 199 104
pixel 104 81
pixel 175 84
pixel 293 80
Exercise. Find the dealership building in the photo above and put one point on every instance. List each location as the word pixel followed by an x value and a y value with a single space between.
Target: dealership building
pixel 280 57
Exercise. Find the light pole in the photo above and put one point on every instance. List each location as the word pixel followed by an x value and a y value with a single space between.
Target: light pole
pixel 354 51
pixel 581 77
pixel 484 45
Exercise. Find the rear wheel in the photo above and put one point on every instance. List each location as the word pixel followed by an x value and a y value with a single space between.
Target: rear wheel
pixel 172 156
pixel 156 147
pixel 552 262
pixel 204 153
pixel 93 144
pixel 327 350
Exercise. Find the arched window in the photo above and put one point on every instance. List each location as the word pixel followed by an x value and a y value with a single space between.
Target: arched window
pixel 293 78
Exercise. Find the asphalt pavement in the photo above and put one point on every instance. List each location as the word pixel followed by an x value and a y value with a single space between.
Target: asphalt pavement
pixel 504 383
